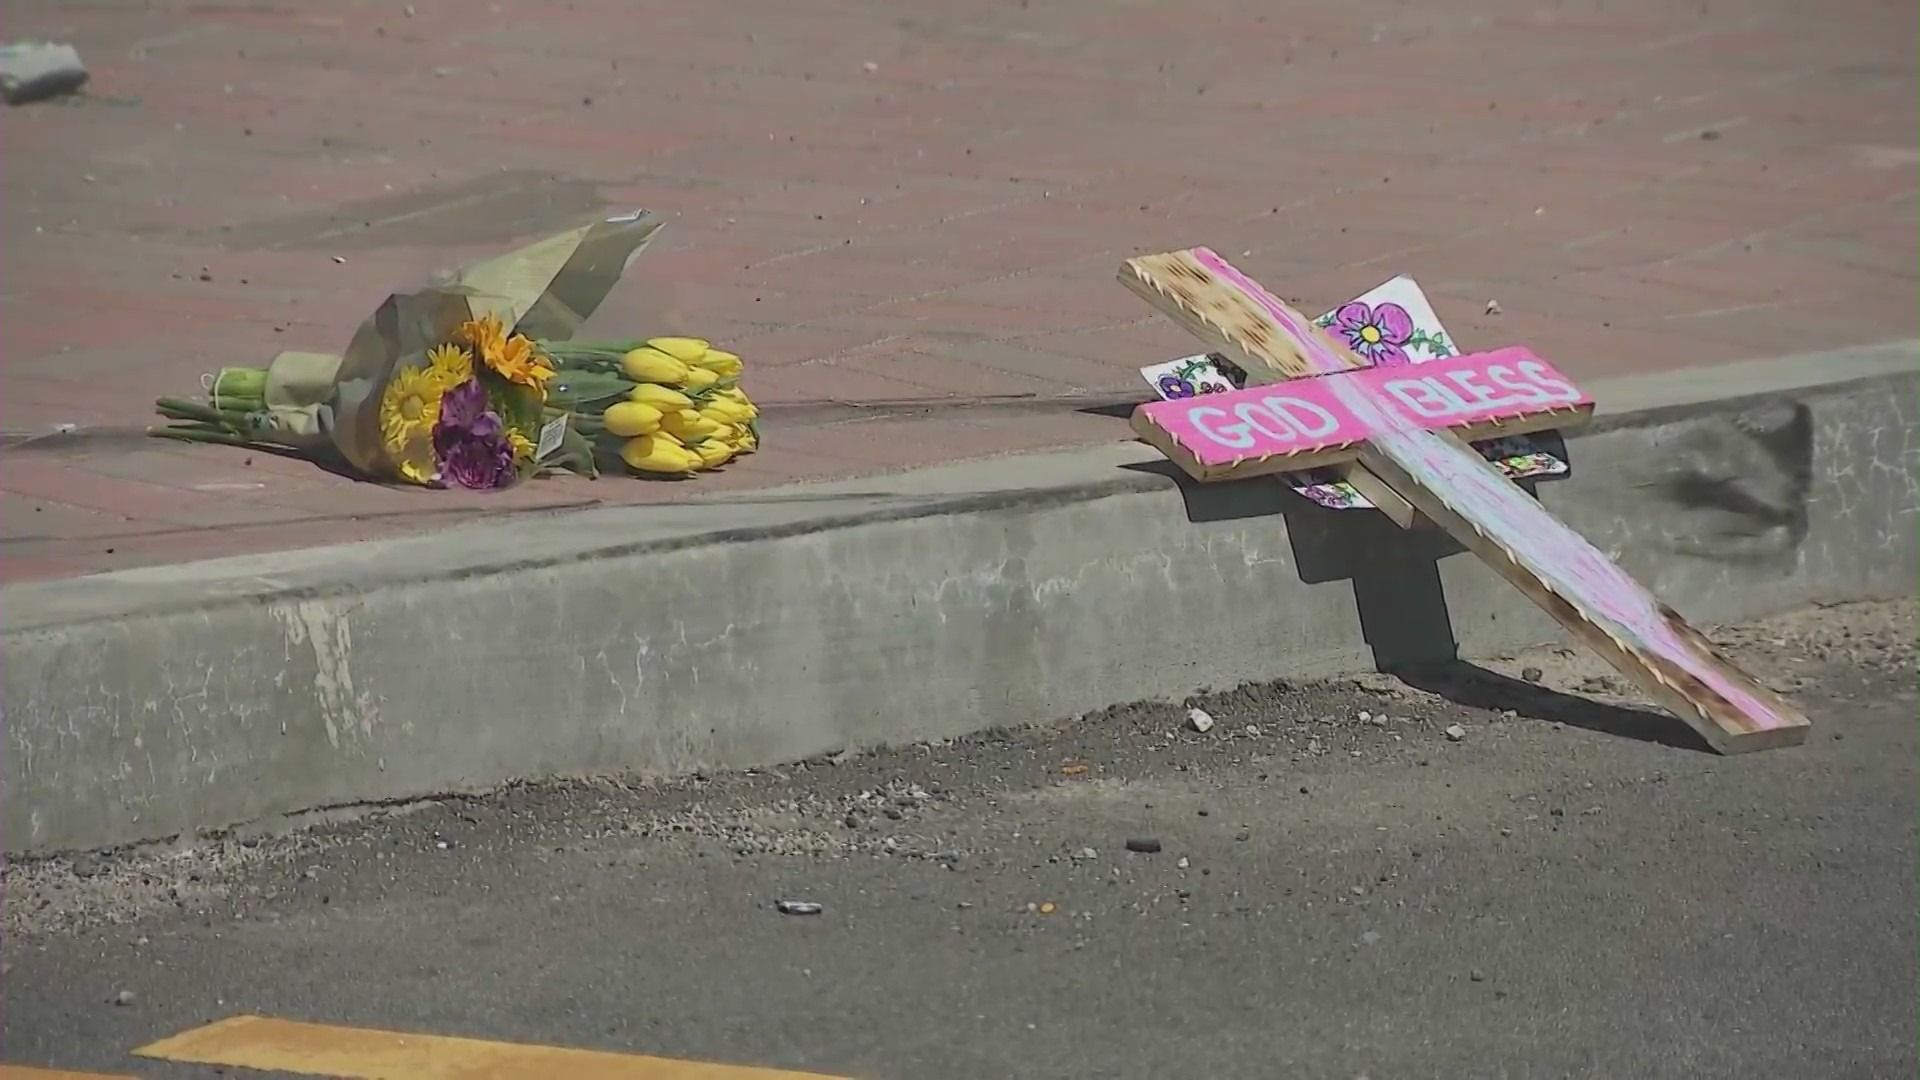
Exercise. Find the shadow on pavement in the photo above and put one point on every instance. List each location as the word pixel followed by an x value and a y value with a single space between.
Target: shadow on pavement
pixel 1402 603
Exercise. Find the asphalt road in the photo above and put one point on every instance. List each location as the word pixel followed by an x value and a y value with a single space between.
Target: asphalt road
pixel 1564 890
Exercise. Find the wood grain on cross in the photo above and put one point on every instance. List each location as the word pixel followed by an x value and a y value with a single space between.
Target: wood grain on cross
pixel 1443 478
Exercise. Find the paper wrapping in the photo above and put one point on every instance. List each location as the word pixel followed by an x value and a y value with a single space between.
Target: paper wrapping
pixel 544 290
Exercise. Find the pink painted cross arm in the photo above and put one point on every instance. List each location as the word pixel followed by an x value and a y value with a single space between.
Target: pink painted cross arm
pixel 1304 423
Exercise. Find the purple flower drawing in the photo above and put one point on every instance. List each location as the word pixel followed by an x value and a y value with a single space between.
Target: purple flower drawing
pixel 1175 387
pixel 1379 334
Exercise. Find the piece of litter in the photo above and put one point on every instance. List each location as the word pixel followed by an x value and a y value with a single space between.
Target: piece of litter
pixel 1143 845
pixel 1199 720
pixel 1253 730
pixel 870 67
pixel 34 71
pixel 798 907
pixel 1183 863
pixel 1493 307
pixel 1455 732
pixel 339 260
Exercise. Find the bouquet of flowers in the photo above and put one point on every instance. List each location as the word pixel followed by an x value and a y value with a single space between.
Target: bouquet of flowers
pixel 441 387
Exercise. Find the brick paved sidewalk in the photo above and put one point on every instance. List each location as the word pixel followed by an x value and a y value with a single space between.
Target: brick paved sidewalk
pixel 916 202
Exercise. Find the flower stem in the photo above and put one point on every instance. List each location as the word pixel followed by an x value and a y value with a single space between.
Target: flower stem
pixel 200 435
pixel 232 421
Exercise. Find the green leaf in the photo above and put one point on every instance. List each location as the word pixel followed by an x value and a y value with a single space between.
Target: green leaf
pixel 519 406
pixel 572 389
pixel 586 355
pixel 575 454
pixel 620 347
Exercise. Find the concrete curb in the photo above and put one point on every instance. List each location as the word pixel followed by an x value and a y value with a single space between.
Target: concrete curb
pixel 770 626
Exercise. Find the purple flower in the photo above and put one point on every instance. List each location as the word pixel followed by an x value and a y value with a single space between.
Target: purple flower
pixel 476 463
pixel 1379 334
pixel 1173 386
pixel 466 408
pixel 470 440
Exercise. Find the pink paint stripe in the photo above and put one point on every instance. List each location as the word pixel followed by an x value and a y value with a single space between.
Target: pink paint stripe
pixel 1544 545
pixel 1323 359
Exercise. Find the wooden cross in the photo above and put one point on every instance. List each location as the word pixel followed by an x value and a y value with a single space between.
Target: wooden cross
pixel 1407 429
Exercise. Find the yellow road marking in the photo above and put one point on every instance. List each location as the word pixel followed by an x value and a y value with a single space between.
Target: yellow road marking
pixel 259 1042
pixel 31 1073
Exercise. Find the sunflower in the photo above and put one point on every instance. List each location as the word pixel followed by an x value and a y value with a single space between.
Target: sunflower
pixel 511 357
pixel 452 364
pixel 409 409
pixel 487 335
pixel 521 445
pixel 518 363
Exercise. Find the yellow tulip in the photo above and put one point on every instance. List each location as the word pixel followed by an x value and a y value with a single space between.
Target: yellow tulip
pixel 653 366
pixel 664 398
pixel 688 426
pixel 630 418
pixel 724 364
pixel 650 454
pixel 687 350
pixel 713 453
pixel 739 397
pixel 724 412
pixel 699 378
